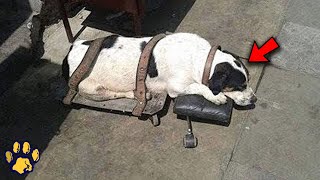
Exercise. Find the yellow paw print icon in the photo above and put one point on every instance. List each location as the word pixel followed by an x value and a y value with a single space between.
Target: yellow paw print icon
pixel 23 162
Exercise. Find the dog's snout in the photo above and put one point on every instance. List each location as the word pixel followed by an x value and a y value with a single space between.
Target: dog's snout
pixel 253 100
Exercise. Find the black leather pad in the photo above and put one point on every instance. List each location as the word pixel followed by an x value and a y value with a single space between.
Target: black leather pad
pixel 203 110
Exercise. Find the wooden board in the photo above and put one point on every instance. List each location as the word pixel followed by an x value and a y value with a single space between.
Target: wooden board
pixel 153 106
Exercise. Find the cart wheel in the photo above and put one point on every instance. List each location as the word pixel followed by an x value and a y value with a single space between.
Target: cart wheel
pixel 190 141
pixel 155 120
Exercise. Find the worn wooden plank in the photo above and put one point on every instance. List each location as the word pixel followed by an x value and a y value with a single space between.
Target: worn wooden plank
pixel 126 105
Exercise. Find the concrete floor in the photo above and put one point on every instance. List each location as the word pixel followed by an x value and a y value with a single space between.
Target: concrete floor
pixel 281 140
pixel 276 140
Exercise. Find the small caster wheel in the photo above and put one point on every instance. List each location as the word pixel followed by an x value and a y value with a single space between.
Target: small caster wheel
pixel 155 120
pixel 190 141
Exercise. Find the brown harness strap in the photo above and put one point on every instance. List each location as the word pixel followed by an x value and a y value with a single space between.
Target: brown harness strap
pixel 140 91
pixel 83 68
pixel 208 65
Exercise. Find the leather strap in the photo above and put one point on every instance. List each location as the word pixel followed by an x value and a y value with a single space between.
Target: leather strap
pixel 82 69
pixel 140 91
pixel 208 65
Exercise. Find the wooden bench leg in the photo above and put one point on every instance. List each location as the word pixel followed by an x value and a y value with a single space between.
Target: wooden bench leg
pixel 137 24
pixel 137 17
pixel 65 21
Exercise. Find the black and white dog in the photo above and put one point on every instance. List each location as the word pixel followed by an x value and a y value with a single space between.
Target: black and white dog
pixel 176 66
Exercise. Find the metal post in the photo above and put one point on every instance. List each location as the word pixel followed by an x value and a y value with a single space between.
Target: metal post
pixel 189 125
pixel 65 20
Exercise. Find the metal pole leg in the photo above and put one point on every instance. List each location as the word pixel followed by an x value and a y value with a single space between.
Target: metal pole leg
pixel 189 140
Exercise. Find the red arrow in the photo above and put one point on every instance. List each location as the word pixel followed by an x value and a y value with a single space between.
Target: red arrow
pixel 257 55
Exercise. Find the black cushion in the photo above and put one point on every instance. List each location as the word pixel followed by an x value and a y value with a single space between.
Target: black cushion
pixel 203 110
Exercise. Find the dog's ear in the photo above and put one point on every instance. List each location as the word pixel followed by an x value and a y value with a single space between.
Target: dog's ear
pixel 219 48
pixel 217 81
pixel 219 77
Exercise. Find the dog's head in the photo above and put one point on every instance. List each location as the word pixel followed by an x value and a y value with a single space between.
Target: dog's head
pixel 231 77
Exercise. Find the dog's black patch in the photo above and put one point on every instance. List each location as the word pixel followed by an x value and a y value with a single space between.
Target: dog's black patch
pixel 110 41
pixel 225 76
pixel 142 45
pixel 87 43
pixel 152 67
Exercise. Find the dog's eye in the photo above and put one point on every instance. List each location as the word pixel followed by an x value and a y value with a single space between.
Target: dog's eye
pixel 244 86
pixel 241 87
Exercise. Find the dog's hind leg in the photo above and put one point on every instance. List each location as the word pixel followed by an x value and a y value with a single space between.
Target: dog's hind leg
pixel 90 89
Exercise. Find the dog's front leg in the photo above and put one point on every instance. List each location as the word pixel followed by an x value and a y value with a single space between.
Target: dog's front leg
pixel 203 90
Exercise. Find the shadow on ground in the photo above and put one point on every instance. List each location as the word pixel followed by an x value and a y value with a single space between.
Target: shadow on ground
pixel 13 67
pixel 12 17
pixel 32 111
pixel 27 111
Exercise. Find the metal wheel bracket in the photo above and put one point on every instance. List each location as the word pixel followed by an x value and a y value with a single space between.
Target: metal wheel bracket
pixel 189 140
pixel 155 120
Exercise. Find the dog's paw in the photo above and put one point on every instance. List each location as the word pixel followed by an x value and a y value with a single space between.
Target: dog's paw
pixel 218 99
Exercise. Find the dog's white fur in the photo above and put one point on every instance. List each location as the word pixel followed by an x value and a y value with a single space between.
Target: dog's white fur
pixel 180 60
